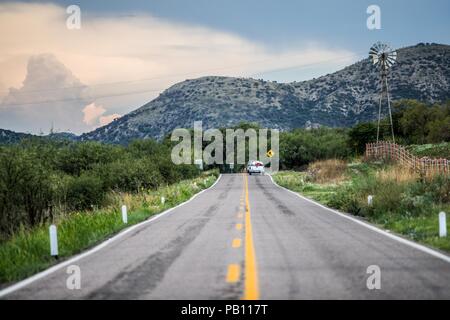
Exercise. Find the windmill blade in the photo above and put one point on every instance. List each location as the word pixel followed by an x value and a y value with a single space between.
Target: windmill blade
pixel 382 54
pixel 374 54
pixel 392 57
pixel 390 61
pixel 374 50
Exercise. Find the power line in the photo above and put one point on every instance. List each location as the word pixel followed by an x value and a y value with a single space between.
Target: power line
pixel 304 66
pixel 145 79
pixel 79 99
pixel 184 74
pixel 154 78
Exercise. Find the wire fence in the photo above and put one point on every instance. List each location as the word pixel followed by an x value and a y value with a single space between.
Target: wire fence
pixel 393 151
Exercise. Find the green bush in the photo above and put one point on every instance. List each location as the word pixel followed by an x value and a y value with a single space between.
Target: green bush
pixel 441 150
pixel 438 188
pixel 129 174
pixel 40 179
pixel 25 189
pixel 346 200
pixel 85 192
pixel 300 147
pixel 75 158
pixel 415 122
pixel 361 134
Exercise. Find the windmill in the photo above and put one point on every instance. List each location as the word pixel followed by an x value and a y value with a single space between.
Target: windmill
pixel 383 57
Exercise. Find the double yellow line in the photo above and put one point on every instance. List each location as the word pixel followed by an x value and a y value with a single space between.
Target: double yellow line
pixel 251 289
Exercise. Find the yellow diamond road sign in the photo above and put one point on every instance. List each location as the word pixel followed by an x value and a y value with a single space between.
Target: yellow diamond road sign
pixel 270 153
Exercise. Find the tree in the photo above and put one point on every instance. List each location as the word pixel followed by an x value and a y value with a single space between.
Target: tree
pixel 361 134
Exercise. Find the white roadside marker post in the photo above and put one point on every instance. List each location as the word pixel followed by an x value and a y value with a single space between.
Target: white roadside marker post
pixel 53 241
pixel 163 200
pixel 199 163
pixel 124 214
pixel 370 200
pixel 442 225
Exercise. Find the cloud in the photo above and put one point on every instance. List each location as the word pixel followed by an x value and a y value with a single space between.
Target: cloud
pixel 108 119
pixel 38 106
pixel 116 55
pixel 92 113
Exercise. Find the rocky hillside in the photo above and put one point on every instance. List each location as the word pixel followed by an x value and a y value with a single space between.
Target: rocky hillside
pixel 8 136
pixel 339 99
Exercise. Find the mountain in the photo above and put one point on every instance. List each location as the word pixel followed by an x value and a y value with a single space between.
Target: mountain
pixel 9 137
pixel 342 98
pixel 62 136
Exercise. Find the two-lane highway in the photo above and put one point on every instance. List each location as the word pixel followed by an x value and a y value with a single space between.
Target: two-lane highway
pixel 247 238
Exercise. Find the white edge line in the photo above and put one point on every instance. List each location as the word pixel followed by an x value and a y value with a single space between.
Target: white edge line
pixel 412 244
pixel 42 274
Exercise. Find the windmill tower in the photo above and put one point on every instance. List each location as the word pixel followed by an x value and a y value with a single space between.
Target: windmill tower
pixel 383 57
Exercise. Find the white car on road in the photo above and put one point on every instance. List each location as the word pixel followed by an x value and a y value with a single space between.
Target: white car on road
pixel 255 166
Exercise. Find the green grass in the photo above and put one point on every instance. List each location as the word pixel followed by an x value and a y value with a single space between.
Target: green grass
pixel 27 252
pixel 441 150
pixel 297 181
pixel 408 208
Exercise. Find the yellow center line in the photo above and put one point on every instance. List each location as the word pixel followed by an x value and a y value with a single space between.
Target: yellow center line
pixel 236 243
pixel 239 226
pixel 233 273
pixel 251 289
pixel 240 215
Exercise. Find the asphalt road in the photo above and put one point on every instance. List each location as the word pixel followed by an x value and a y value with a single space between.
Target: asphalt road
pixel 255 242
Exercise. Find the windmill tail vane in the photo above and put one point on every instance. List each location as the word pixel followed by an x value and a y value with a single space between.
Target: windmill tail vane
pixel 384 57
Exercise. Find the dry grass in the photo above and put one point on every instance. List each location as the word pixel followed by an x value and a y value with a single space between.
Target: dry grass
pixel 331 170
pixel 398 174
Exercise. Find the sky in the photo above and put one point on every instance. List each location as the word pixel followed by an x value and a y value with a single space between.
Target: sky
pixel 127 52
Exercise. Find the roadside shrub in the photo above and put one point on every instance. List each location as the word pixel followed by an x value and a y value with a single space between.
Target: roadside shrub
pixel 441 150
pixel 85 192
pixel 415 204
pixel 188 171
pixel 387 197
pixel 75 158
pixel 169 171
pixel 300 147
pixel 41 179
pixel 25 189
pixel 129 175
pixel 361 134
pixel 365 183
pixel 346 200
pixel 438 186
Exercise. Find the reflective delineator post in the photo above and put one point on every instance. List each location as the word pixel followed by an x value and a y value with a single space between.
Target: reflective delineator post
pixel 369 200
pixel 163 200
pixel 442 225
pixel 53 241
pixel 124 214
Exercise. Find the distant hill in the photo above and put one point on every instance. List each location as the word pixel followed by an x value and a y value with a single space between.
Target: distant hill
pixel 8 136
pixel 62 136
pixel 343 98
